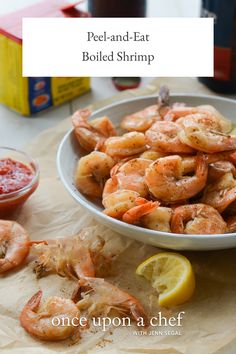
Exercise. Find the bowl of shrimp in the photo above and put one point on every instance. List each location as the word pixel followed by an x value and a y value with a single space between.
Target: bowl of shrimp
pixel 160 170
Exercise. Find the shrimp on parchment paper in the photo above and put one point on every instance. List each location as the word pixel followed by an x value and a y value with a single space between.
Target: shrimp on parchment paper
pixel 99 297
pixel 14 245
pixel 41 321
pixel 72 257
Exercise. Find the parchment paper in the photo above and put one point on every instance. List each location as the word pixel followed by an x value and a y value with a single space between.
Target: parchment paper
pixel 209 324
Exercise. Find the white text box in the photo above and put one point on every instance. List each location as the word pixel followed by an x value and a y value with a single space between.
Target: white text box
pixel 118 47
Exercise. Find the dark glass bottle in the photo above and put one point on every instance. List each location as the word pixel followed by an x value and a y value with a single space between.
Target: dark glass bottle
pixel 224 14
pixel 117 8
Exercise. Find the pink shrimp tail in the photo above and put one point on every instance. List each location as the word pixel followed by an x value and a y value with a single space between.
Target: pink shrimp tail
pixel 138 312
pixel 100 144
pixel 144 207
pixel 29 309
pixel 229 198
pixel 80 117
pixel 115 169
pixel 34 301
pixel 140 201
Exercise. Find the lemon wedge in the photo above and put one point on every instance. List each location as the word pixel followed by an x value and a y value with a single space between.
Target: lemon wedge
pixel 171 274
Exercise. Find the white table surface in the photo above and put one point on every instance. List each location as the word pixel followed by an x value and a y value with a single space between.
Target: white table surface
pixel 16 131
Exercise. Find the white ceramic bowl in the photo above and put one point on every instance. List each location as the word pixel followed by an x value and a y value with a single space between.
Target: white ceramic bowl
pixel 69 152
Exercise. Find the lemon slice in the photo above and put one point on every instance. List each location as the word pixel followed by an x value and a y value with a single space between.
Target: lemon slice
pixel 171 274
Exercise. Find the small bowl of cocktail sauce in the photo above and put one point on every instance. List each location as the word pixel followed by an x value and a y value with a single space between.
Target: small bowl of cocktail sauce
pixel 19 178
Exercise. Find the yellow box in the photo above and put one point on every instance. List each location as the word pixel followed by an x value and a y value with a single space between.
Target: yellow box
pixel 33 94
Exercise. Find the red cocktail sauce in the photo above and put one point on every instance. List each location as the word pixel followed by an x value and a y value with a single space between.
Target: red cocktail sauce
pixel 14 175
pixel 14 179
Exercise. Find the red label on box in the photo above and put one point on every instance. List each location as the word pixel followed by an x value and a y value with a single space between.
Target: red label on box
pixel 11 24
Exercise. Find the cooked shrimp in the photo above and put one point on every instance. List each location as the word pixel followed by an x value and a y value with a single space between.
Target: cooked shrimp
pixel 143 120
pixel 117 203
pixel 203 134
pixel 218 169
pixel 121 162
pixel 189 162
pixel 104 126
pixel 209 112
pixel 225 123
pixel 39 323
pixel 110 187
pixel 158 219
pixel 231 223
pixel 72 257
pixel 166 181
pixel 197 219
pixel 142 207
pixel 151 155
pixel 220 193
pixel 130 176
pixel 102 297
pixel 91 173
pixel 163 137
pixel 126 145
pixel 91 134
pixel 206 122
pixel 14 245
pixel 116 168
